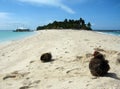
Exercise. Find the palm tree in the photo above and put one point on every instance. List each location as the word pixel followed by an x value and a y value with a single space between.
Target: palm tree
pixel 89 26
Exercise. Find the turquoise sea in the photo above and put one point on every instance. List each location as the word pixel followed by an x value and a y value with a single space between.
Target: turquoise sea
pixel 110 32
pixel 9 35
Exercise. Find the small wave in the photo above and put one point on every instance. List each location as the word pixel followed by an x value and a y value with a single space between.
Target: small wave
pixel 113 33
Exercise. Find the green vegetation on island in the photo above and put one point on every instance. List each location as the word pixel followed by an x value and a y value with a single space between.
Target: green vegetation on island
pixel 67 24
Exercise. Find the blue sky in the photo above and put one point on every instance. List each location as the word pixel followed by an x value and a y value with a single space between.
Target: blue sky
pixel 103 14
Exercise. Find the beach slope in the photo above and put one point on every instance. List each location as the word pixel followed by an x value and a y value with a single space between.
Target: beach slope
pixel 21 68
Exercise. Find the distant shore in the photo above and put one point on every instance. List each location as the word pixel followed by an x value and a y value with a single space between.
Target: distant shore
pixel 20 64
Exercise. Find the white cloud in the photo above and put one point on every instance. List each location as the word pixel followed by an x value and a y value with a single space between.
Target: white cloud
pixel 4 15
pixel 6 20
pixel 56 3
pixel 47 2
pixel 67 9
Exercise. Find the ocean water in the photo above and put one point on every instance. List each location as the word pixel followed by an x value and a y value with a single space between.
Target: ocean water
pixel 8 35
pixel 110 32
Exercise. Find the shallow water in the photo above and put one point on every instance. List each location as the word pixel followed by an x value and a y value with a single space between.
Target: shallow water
pixel 8 35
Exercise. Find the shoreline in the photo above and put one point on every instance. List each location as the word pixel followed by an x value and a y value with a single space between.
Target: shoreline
pixel 20 63
pixel 35 32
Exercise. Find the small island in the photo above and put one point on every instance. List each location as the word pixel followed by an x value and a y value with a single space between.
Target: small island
pixel 67 24
pixel 21 29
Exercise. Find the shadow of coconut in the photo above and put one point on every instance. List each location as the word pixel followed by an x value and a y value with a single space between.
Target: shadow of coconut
pixel 112 75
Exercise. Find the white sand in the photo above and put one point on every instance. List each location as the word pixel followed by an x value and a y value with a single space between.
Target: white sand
pixel 21 68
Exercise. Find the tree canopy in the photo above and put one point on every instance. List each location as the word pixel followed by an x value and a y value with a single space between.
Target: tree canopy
pixel 67 24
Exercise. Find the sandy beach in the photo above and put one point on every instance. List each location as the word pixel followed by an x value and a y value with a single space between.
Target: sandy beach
pixel 21 68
